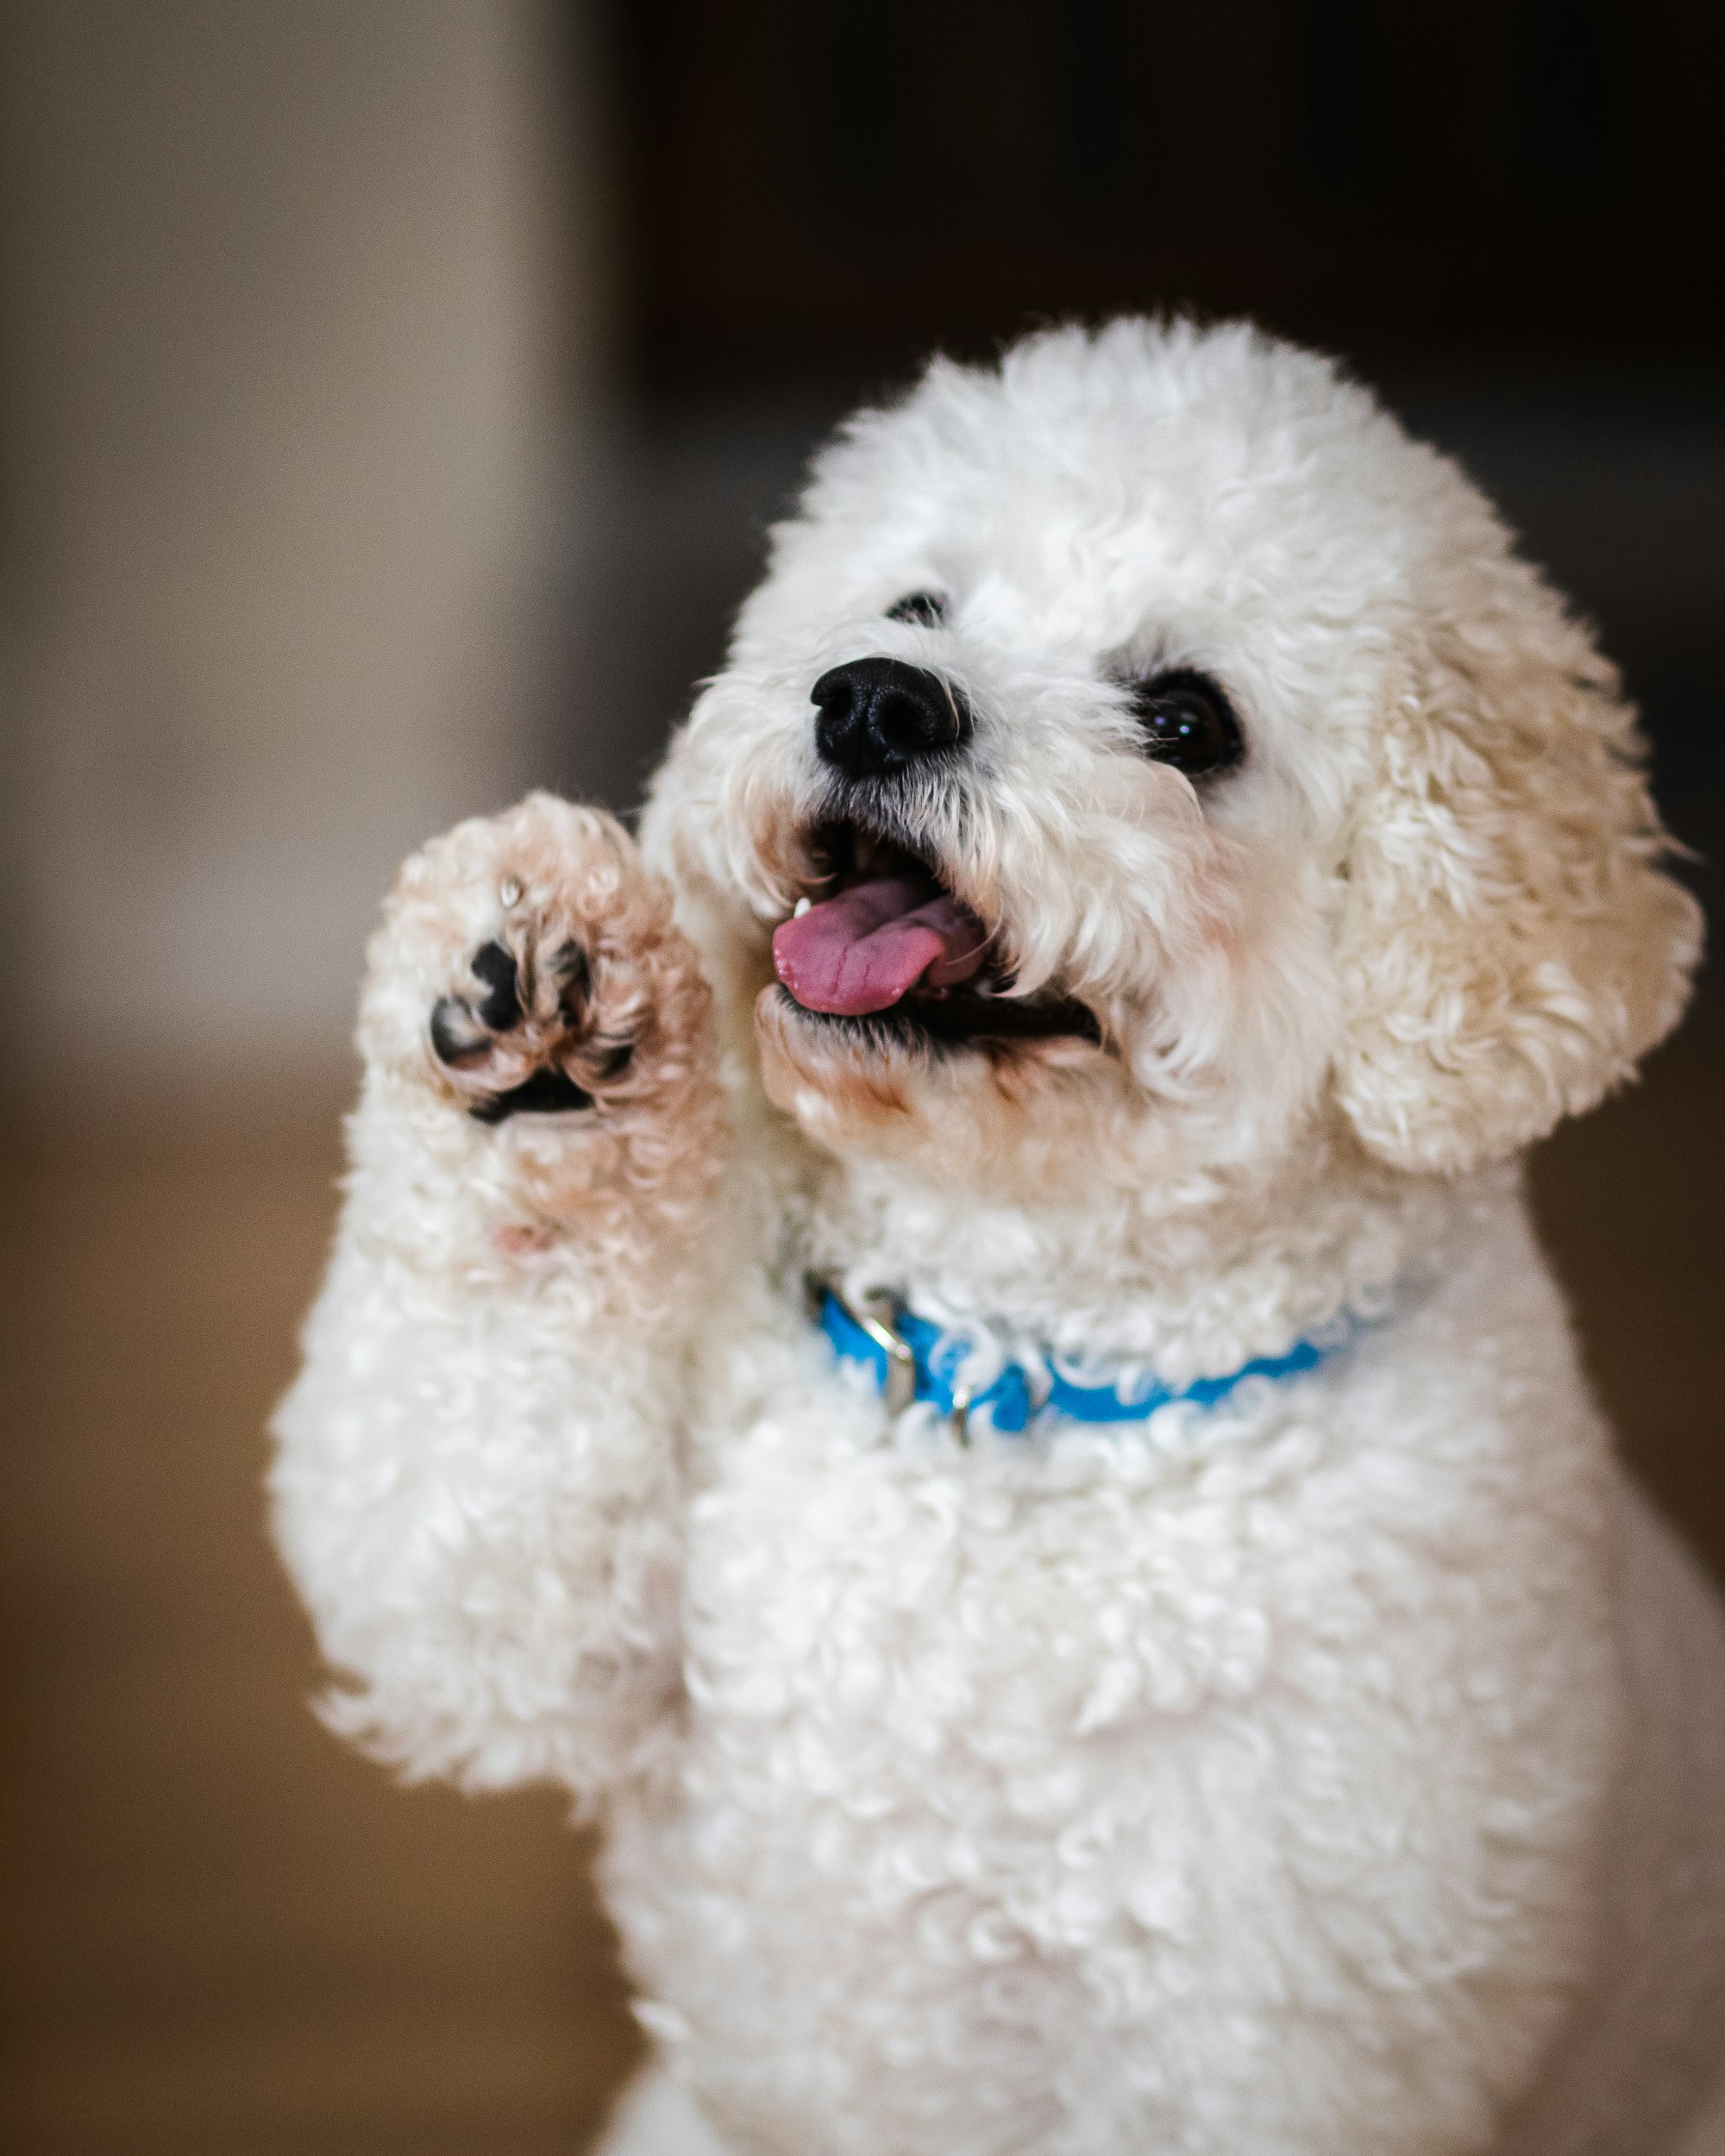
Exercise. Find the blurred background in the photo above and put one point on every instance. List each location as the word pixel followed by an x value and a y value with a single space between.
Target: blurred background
pixel 395 394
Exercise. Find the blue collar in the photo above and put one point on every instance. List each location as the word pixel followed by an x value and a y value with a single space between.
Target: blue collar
pixel 915 1359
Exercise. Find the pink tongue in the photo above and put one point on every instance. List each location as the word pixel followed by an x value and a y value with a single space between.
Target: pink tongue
pixel 861 950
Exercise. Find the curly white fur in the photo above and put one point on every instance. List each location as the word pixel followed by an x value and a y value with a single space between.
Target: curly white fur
pixel 1340 1769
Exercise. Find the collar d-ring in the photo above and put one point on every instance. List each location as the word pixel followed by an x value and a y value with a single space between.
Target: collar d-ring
pixel 878 1315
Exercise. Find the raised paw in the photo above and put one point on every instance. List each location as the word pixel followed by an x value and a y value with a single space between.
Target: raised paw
pixel 527 974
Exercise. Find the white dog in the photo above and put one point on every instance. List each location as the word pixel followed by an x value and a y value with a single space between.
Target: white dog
pixel 1153 858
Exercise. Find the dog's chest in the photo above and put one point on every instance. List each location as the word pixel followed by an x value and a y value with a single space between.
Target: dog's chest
pixel 1080 1754
pixel 934 1595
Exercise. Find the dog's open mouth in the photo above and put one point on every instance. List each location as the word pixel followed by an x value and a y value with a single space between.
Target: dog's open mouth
pixel 879 941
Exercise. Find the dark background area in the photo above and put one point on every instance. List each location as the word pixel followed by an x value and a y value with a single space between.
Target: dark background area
pixel 832 189
pixel 323 318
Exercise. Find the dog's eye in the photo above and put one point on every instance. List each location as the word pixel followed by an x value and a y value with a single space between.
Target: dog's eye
pixel 1188 722
pixel 927 608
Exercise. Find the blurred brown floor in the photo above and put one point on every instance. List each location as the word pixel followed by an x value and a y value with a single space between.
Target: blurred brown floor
pixel 224 1933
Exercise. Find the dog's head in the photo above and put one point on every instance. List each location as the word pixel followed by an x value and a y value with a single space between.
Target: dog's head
pixel 1141 753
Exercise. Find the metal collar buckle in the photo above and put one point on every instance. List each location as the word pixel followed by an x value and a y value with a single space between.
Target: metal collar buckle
pixel 877 1314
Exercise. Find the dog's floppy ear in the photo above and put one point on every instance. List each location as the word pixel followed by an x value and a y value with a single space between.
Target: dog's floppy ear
pixel 1510 944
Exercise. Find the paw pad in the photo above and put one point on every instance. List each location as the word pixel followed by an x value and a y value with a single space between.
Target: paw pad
pixel 516 1036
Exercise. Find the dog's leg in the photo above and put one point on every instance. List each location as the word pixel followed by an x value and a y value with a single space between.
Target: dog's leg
pixel 477 1485
pixel 655 2118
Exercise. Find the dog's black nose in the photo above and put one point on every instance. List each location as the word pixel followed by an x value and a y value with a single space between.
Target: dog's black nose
pixel 878 716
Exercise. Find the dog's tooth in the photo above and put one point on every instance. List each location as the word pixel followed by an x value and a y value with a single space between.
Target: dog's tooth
pixel 801 907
